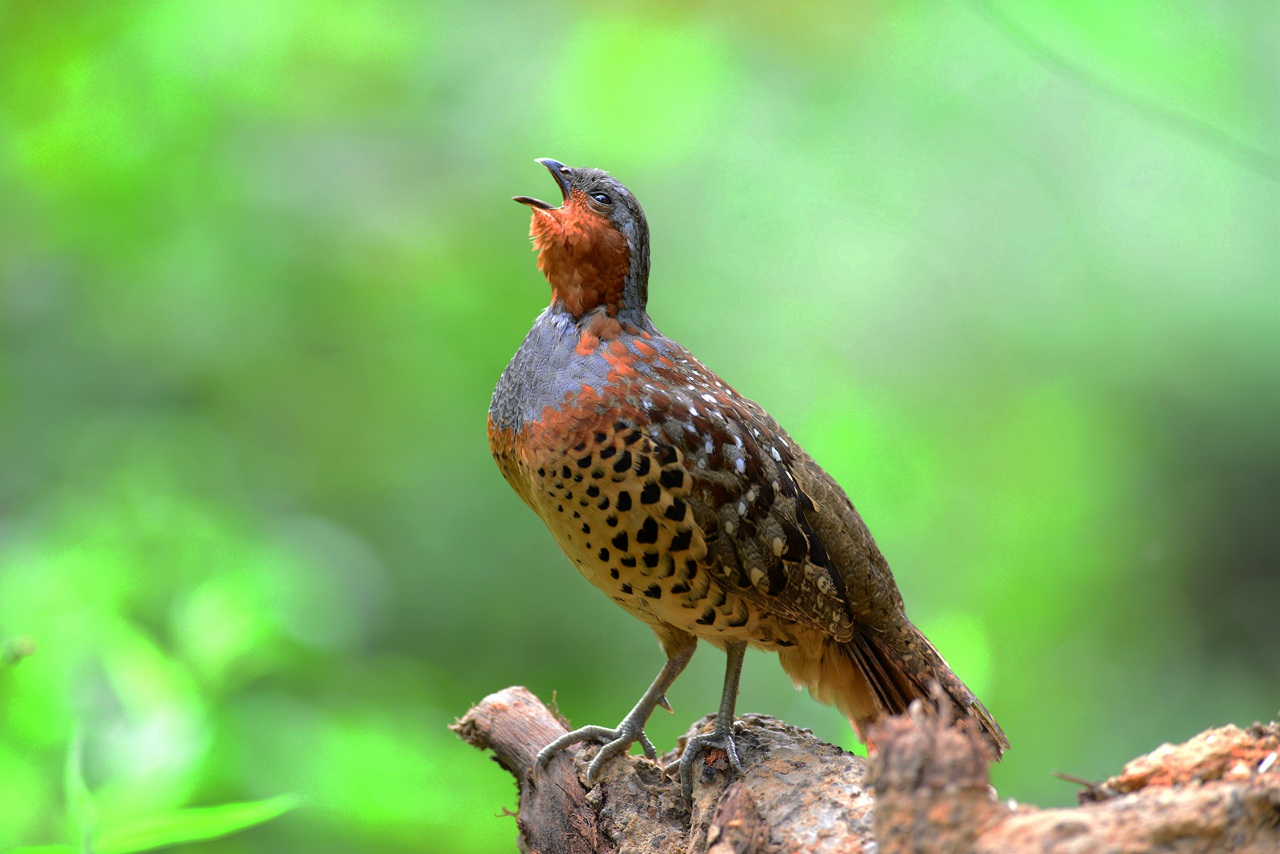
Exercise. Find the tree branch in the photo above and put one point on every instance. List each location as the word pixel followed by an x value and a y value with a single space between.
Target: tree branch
pixel 1219 792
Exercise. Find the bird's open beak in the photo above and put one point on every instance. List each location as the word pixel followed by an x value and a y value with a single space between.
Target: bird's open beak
pixel 558 171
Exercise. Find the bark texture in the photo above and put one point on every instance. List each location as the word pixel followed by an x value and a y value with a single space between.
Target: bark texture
pixel 926 790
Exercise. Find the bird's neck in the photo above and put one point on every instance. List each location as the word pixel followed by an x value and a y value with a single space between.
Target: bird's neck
pixel 586 260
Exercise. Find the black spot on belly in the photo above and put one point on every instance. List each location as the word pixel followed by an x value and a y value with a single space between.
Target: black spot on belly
pixel 626 588
pixel 627 561
pixel 620 541
pixel 610 520
pixel 681 540
pixel 605 453
pixel 604 554
pixel 671 478
pixel 613 572
pixel 650 559
pixel 651 493
pixel 593 491
pixel 708 617
pixel 584 462
pixel 642 467
pixel 653 591
pixel 623 463
pixel 676 511
pixel 680 587
pixel 624 501
pixel 566 472
pixel 648 532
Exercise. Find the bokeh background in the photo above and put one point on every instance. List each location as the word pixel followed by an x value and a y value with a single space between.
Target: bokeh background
pixel 1009 271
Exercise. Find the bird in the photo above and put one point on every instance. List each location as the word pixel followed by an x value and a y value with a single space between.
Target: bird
pixel 686 503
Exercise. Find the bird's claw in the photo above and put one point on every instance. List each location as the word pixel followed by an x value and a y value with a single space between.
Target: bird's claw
pixel 719 737
pixel 615 741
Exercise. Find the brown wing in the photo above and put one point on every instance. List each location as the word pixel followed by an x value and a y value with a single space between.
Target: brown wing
pixel 779 531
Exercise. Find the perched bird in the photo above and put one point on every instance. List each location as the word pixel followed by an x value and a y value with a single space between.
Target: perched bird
pixel 684 501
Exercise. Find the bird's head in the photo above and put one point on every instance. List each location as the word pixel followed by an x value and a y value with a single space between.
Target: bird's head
pixel 594 247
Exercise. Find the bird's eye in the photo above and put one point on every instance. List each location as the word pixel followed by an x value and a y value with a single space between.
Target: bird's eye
pixel 602 198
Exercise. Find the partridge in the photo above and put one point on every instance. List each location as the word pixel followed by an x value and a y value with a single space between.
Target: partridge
pixel 685 503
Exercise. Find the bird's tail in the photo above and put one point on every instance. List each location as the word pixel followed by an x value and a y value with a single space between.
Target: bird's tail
pixel 902 666
pixel 881 673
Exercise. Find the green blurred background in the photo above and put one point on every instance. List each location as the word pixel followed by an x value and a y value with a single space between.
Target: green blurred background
pixel 1012 277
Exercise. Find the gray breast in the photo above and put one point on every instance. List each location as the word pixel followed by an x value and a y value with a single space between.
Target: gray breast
pixel 543 370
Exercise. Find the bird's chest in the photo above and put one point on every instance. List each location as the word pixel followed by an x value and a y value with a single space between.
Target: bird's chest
pixel 570 387
pixel 548 399
pixel 612 476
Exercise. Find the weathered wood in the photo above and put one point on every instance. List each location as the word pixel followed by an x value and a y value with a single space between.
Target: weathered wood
pixel 1218 793
pixel 554 813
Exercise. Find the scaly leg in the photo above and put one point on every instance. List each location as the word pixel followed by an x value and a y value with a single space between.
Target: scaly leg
pixel 722 735
pixel 631 729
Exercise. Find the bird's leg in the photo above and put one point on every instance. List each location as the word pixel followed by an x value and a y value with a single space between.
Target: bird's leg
pixel 631 729
pixel 722 735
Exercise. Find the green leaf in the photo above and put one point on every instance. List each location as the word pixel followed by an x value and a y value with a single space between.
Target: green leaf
pixel 190 825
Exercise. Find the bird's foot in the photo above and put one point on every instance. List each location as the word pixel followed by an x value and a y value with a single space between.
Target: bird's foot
pixel 616 741
pixel 721 737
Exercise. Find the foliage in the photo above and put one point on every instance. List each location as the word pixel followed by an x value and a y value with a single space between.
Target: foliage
pixel 1011 276
pixel 146 833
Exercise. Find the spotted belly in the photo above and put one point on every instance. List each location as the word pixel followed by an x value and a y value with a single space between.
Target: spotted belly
pixel 617 504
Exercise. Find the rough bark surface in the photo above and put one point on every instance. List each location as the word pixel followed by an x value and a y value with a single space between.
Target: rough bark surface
pixel 1219 792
